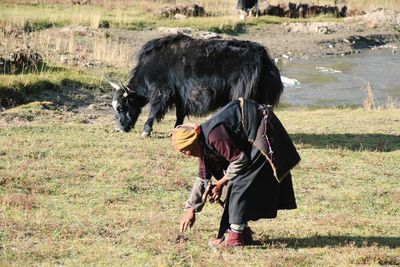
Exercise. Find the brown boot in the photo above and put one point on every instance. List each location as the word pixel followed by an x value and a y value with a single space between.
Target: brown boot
pixel 247 235
pixel 233 240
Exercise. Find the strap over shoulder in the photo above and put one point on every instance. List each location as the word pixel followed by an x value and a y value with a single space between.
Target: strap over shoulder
pixel 270 137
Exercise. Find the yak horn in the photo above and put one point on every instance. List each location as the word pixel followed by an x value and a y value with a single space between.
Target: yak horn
pixel 126 88
pixel 119 87
pixel 114 85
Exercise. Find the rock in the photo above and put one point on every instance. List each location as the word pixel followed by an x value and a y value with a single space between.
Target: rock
pixel 63 59
pixel 287 57
pixel 80 2
pixel 180 16
pixel 105 96
pixel 186 10
pixel 207 35
pixel 319 27
pixel 376 18
pixel 21 60
pixel 190 32
pixel 167 30
pixel 91 107
pixel 323 30
pixel 104 24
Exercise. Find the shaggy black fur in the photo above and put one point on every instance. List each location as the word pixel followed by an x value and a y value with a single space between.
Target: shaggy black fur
pixel 200 75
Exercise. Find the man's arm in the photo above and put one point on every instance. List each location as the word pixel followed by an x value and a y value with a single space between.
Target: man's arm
pixel 195 198
pixel 193 204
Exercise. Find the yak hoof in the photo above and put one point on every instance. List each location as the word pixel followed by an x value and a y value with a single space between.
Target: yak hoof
pixel 145 134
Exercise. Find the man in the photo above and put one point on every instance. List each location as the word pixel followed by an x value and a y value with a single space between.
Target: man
pixel 245 147
pixel 247 6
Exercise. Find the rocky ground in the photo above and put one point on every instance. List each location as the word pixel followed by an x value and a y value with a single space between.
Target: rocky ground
pixel 313 39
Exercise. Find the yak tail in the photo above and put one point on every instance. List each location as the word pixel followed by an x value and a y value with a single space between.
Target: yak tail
pixel 260 82
pixel 270 85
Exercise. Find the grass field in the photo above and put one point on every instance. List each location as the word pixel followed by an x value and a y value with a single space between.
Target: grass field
pixel 72 192
pixel 75 193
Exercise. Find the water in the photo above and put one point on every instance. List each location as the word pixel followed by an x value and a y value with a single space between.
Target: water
pixel 322 86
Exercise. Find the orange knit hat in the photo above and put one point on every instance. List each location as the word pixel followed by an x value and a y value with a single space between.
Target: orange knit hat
pixel 184 135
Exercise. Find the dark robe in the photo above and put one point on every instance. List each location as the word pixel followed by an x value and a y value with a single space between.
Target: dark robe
pixel 246 4
pixel 255 192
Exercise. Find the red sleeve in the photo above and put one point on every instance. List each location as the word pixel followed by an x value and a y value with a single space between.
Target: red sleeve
pixel 203 173
pixel 220 139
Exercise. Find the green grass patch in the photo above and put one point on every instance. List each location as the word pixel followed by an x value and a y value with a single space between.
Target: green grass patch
pixel 39 24
pixel 76 193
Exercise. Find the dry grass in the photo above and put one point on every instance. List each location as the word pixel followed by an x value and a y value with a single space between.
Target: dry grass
pixel 370 102
pixel 112 52
pixel 76 44
pixel 218 7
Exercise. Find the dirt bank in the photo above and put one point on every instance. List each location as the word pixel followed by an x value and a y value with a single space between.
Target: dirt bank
pixel 376 28
pixel 311 39
pixel 321 39
pixel 304 40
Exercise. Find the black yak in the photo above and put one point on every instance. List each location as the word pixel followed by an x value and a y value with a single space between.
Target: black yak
pixel 196 76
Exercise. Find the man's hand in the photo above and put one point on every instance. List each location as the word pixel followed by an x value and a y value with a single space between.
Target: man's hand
pixel 188 220
pixel 217 190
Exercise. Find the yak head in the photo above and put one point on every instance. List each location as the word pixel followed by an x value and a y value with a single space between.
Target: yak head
pixel 127 106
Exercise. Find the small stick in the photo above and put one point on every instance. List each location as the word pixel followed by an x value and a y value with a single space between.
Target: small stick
pixel 181 238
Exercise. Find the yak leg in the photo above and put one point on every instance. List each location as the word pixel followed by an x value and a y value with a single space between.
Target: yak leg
pixel 155 109
pixel 179 115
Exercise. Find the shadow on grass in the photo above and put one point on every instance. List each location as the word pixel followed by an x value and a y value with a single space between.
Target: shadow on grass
pixel 38 25
pixel 355 142
pixel 66 91
pixel 233 30
pixel 329 241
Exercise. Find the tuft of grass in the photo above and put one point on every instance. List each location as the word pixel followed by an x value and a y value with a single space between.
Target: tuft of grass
pixel 369 102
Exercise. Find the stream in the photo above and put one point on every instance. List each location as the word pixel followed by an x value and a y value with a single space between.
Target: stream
pixel 341 81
